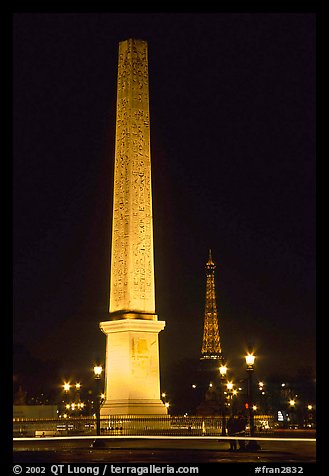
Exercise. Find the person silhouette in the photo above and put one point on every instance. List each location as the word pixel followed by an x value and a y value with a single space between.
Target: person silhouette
pixel 241 430
pixel 232 430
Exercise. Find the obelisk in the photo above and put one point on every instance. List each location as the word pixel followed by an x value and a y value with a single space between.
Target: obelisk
pixel 132 376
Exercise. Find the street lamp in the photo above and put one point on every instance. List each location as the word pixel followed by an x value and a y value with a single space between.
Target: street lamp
pixel 222 371
pixel 250 360
pixel 66 387
pixel 98 369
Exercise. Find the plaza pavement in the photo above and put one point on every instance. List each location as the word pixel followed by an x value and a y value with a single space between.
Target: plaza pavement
pixel 137 450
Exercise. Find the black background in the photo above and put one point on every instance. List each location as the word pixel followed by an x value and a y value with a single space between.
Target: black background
pixel 232 109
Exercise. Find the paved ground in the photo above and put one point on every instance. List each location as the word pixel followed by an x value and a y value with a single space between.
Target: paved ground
pixel 160 451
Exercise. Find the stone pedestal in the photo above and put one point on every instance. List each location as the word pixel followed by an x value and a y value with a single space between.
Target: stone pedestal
pixel 132 384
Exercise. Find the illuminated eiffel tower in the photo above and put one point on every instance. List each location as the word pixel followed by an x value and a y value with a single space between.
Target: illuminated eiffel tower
pixel 211 353
pixel 211 348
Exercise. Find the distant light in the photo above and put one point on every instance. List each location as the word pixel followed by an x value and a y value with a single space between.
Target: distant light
pixel 292 402
pixel 229 385
pixel 163 394
pixel 210 385
pixel 263 393
pixel 261 384
pixel 77 386
pixel 167 405
pixel 283 385
pixel 310 407
pixel 254 407
pixel 193 385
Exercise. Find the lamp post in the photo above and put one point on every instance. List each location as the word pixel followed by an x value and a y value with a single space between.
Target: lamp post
pixel 310 409
pixel 229 387
pixel 222 371
pixel 97 375
pixel 292 404
pixel 250 360
pixel 66 387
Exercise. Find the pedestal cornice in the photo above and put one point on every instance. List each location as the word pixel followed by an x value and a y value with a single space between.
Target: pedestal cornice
pixel 137 325
pixel 124 314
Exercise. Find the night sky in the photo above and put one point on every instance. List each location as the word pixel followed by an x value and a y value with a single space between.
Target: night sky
pixel 232 111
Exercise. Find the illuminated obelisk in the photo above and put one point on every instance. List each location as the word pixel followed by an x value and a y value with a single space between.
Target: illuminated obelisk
pixel 132 378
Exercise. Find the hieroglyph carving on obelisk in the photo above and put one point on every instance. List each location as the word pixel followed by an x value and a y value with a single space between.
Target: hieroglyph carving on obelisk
pixel 132 269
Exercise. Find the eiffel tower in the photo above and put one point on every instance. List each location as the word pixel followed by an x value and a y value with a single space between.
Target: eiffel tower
pixel 211 348
pixel 211 352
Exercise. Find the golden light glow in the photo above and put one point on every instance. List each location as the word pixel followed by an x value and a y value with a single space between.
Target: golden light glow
pixel 78 386
pixel 66 387
pixel 309 407
pixel 254 407
pixel 167 405
pixel 229 385
pixel 250 359
pixel 223 370
pixel 292 403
